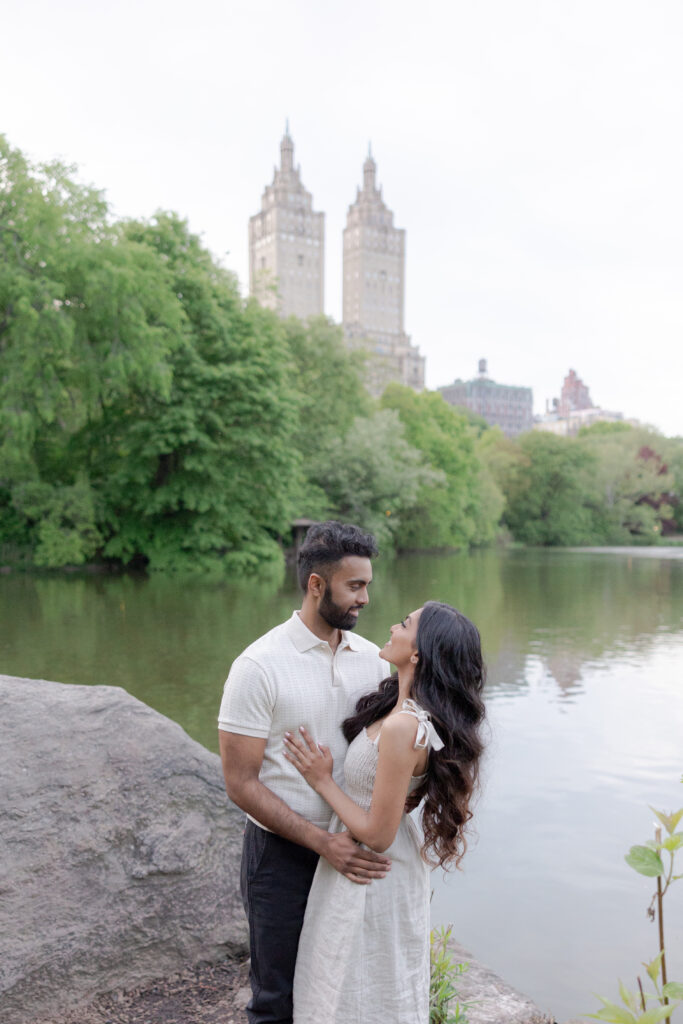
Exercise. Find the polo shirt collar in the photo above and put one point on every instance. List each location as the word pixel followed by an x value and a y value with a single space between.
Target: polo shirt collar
pixel 304 640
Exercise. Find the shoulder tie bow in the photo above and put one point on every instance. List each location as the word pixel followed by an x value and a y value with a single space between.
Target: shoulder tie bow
pixel 427 736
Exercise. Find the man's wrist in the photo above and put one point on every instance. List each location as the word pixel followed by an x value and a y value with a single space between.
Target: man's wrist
pixel 319 841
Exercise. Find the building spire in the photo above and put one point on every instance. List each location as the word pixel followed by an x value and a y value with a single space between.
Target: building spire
pixel 286 150
pixel 369 170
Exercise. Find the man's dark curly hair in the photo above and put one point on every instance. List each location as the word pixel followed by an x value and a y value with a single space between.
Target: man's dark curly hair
pixel 325 546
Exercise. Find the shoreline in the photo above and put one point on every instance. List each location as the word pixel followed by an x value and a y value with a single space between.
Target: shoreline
pixel 218 994
pixel 670 551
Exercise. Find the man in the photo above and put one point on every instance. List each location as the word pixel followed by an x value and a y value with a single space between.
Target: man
pixel 306 671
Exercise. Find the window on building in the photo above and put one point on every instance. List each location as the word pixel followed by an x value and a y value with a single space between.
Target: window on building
pixel 300 259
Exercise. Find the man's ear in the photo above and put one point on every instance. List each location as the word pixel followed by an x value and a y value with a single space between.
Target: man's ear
pixel 316 585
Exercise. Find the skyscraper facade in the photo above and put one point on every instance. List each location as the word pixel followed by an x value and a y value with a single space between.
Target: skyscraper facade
pixel 374 287
pixel 287 243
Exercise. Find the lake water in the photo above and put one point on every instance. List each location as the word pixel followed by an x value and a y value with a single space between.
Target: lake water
pixel 585 705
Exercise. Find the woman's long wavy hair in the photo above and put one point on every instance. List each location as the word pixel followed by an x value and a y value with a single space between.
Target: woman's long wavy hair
pixel 448 683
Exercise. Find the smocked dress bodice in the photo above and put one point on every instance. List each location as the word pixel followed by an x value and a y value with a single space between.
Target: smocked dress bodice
pixel 360 766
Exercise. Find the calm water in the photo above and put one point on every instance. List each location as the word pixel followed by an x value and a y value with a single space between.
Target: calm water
pixel 585 700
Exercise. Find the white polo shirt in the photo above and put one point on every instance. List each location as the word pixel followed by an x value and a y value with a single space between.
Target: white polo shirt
pixel 290 677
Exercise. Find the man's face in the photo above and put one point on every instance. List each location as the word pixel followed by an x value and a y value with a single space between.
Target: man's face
pixel 346 592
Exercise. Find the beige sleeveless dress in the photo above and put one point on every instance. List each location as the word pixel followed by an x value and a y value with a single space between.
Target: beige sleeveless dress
pixel 363 956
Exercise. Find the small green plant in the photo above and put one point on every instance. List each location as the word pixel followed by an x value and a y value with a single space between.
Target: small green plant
pixel 444 1006
pixel 648 860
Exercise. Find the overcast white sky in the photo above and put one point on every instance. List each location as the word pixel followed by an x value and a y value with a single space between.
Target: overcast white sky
pixel 532 150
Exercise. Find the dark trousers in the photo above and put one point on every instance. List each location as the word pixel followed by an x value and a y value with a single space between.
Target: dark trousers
pixel 276 877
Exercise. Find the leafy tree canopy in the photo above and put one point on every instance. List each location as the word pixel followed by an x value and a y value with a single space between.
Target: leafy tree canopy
pixel 372 476
pixel 462 509
pixel 546 492
pixel 331 395
pixel 633 488
pixel 205 476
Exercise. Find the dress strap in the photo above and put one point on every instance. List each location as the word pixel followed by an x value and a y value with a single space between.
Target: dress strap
pixel 427 736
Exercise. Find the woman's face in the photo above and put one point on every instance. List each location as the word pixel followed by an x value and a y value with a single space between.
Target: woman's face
pixel 402 644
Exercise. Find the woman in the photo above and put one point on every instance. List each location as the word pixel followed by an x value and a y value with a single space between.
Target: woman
pixel 363 956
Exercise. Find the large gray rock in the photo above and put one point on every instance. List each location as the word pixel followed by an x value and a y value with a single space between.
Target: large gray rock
pixel 119 850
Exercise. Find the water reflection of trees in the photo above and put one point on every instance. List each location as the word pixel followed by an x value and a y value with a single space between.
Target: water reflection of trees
pixel 562 608
pixel 170 643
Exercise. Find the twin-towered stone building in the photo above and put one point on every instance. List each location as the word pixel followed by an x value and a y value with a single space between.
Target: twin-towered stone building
pixel 287 263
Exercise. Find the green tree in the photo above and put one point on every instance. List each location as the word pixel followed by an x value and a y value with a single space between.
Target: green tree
pixel 672 450
pixel 85 318
pixel 549 490
pixel 632 484
pixel 146 411
pixel 64 520
pixel 464 508
pixel 206 477
pixel 331 394
pixel 372 476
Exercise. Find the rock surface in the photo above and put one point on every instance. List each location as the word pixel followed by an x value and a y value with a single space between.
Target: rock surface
pixel 119 866
pixel 491 1000
pixel 218 994
pixel 119 850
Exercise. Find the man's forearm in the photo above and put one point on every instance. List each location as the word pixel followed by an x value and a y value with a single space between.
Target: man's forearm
pixel 261 803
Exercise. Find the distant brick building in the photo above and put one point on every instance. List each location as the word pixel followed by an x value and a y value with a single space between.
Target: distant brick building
pixel 573 410
pixel 501 405
pixel 574 395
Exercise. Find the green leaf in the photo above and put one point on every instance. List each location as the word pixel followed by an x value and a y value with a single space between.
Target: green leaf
pixel 669 821
pixel 644 861
pixel 654 967
pixel 673 842
pixel 612 1013
pixel 673 989
pixel 655 1014
pixel 628 998
pixel 676 817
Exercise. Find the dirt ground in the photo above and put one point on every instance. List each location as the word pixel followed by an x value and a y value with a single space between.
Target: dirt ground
pixel 207 994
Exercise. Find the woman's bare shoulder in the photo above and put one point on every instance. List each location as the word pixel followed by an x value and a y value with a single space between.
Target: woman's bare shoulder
pixel 401 729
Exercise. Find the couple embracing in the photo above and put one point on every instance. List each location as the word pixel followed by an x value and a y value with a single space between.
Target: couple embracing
pixel 326 752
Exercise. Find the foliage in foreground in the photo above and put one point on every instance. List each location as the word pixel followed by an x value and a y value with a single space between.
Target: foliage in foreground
pixel 648 860
pixel 444 1005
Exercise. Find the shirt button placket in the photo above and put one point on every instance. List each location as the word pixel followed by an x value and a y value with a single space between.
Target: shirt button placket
pixel 336 677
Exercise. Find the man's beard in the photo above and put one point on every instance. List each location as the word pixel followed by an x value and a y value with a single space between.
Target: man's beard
pixel 334 615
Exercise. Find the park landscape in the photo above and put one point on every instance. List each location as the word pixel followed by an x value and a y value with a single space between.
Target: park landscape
pixel 160 434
